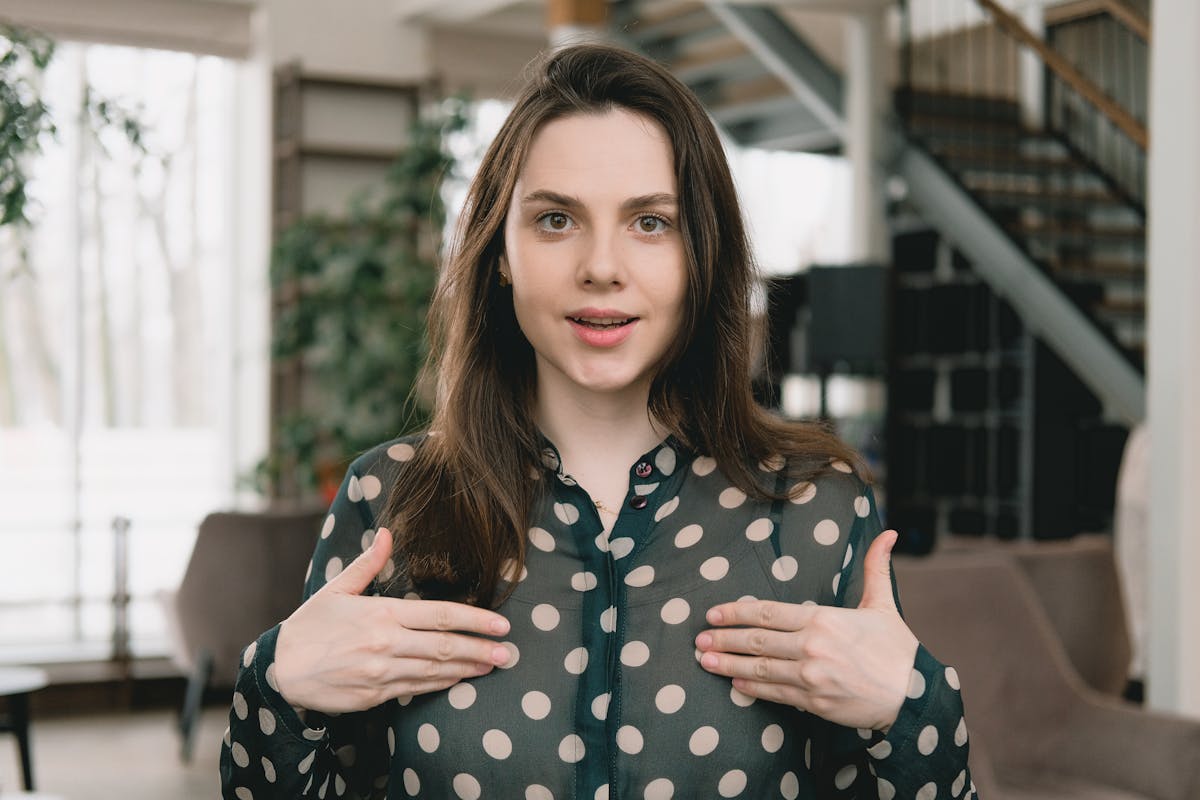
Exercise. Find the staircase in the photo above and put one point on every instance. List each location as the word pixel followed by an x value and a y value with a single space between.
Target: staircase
pixel 1044 228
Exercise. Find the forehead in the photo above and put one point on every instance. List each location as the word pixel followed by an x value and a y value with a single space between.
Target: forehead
pixel 616 152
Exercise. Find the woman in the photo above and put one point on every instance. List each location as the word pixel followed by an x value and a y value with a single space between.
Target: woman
pixel 605 572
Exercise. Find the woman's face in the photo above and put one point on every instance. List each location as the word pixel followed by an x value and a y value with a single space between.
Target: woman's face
pixel 594 251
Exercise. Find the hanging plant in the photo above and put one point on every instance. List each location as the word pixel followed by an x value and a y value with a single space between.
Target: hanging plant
pixel 24 119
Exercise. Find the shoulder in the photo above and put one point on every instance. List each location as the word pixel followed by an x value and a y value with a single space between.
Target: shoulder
pixel 370 477
pixel 831 509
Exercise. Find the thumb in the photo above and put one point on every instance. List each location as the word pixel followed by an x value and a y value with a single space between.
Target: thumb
pixel 356 577
pixel 877 573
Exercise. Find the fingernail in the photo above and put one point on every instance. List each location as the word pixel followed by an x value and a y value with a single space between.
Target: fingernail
pixel 499 625
pixel 500 655
pixel 709 660
pixel 704 641
pixel 715 616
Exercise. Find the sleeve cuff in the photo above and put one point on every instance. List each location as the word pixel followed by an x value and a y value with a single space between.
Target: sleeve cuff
pixel 258 662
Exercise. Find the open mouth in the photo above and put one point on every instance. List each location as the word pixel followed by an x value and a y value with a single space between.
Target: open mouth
pixel 602 324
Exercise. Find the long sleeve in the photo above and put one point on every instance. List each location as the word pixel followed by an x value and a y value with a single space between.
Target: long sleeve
pixel 269 751
pixel 924 753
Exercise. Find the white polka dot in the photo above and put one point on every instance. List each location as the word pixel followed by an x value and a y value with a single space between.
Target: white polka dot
pixel 759 529
pixel 428 738
pixel 772 738
pixel 659 789
pixel 675 611
pixel 583 581
pixel 665 460
pixel 514 655
pixel 959 784
pixel 601 793
pixel 621 546
pixel 704 465
pixel 688 536
pixel 391 737
pixel 242 793
pixel 389 567
pixel 313 734
pixel 508 571
pixel 240 756
pixel 772 463
pixel 461 695
pixel 239 706
pixel 841 466
pixel 538 792
pixel 497 744
pixel 642 576
pixel 333 568
pixel 608 619
pixel 715 568
pixel 732 783
pixel 802 492
pixel 808 753
pixel 862 506
pixel 960 733
pixel 371 487
pixel 785 568
pixel 401 452
pixel 248 655
pixel 412 784
pixel 602 541
pixel 886 790
pixel 732 497
pixel 927 792
pixel 466 786
pixel 826 532
pixel 952 678
pixel 837 580
pixel 545 617
pixel 916 684
pixel 880 750
pixel 740 698
pixel 849 555
pixel 570 749
pixel 670 698
pixel 629 739
pixel 789 787
pixel 704 740
pixel 927 741
pixel 863 733
pixel 541 539
pixel 600 706
pixel 266 721
pixel 268 770
pixel 354 490
pixel 845 776
pixel 404 699
pixel 327 528
pixel 576 661
pixel 305 763
pixel 567 513
pixel 635 654
pixel 536 705
pixel 368 538
pixel 270 676
pixel 666 509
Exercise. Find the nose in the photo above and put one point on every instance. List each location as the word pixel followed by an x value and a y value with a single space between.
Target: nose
pixel 600 262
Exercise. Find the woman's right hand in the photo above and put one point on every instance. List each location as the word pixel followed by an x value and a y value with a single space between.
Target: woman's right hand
pixel 341 651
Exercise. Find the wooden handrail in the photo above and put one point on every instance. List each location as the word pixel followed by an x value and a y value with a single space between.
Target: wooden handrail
pixel 1128 124
pixel 1116 9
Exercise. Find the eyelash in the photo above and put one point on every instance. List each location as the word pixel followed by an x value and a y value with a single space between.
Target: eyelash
pixel 666 223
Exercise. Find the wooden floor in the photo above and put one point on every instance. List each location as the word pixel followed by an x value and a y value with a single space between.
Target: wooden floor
pixel 130 756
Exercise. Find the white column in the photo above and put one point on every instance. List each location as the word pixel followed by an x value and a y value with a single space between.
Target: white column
pixel 1173 663
pixel 1031 70
pixel 865 90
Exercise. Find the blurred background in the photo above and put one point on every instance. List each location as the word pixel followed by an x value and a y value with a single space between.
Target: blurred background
pixel 220 221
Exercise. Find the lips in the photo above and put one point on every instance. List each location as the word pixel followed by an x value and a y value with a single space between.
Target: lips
pixel 602 327
pixel 602 323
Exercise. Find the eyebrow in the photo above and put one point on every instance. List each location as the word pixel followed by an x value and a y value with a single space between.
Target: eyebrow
pixel 641 201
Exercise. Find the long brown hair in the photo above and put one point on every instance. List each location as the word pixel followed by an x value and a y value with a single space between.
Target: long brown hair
pixel 460 509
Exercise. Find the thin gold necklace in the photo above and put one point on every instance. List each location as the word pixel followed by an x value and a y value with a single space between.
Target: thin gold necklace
pixel 603 509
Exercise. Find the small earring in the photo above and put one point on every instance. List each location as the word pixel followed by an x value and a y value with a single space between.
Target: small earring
pixel 504 279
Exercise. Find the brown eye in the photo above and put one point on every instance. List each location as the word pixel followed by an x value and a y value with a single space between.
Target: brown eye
pixel 651 224
pixel 557 221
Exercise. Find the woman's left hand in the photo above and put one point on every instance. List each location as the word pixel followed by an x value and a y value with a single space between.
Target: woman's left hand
pixel 850 666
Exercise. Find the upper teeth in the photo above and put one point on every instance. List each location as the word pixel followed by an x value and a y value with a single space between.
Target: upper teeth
pixel 602 320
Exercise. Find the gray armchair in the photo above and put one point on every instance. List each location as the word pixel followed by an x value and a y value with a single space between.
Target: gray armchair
pixel 1038 731
pixel 245 574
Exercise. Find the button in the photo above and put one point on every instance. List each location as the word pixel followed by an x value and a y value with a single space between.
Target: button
pixel 643 469
pixel 638 502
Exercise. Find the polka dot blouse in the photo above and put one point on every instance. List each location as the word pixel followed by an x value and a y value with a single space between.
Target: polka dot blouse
pixel 603 696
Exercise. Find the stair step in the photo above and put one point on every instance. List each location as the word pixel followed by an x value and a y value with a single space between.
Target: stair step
pixel 956 103
pixel 964 157
pixel 1073 233
pixel 1121 307
pixel 716 59
pixel 673 28
pixel 1099 269
pixel 1012 196
pixel 735 103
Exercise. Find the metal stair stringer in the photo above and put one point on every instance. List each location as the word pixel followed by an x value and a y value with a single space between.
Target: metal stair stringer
pixel 1043 307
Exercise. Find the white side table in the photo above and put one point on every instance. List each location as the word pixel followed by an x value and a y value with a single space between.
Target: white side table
pixel 16 685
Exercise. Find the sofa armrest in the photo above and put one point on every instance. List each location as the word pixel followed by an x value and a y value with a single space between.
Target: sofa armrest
pixel 1116 743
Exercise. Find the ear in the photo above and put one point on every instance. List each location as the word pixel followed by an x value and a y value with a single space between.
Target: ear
pixel 505 276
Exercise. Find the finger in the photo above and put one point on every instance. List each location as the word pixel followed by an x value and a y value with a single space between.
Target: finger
pixel 877 573
pixel 356 577
pixel 421 670
pixel 756 668
pixel 763 614
pixel 786 694
pixel 445 646
pixel 753 642
pixel 444 615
